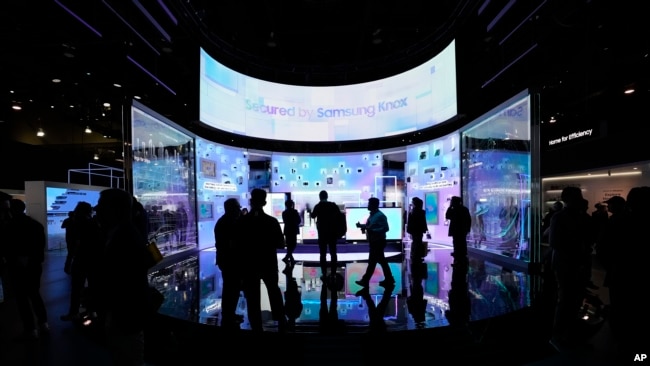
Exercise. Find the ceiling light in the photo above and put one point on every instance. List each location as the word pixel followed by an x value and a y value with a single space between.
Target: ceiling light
pixel 137 97
pixel 117 85
pixel 40 132
pixel 96 157
pixel 629 91
pixel 107 105
pixel 88 130
pixel 56 81
pixel 16 107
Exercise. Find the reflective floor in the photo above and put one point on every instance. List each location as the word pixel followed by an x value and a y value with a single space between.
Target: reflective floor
pixel 493 289
pixel 516 338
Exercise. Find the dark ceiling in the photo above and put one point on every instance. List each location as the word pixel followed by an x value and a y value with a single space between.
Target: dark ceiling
pixel 577 54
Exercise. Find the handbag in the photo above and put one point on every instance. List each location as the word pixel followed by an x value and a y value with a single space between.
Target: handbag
pixel 155 256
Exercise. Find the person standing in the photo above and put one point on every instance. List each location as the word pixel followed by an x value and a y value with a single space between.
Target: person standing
pixel 460 224
pixel 416 226
pixel 84 253
pixel 570 233
pixel 375 229
pixel 224 237
pixel 25 254
pixel 68 226
pixel 123 283
pixel 291 219
pixel 326 214
pixel 259 236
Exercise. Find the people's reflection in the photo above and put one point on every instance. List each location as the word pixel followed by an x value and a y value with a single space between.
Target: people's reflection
pixel 459 304
pixel 376 312
pixel 328 315
pixel 292 297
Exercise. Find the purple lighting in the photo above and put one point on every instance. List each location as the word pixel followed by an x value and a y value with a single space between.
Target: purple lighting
pixel 150 74
pixel 169 13
pixel 78 18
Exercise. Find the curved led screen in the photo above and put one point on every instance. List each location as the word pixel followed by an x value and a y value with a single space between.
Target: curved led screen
pixel 419 98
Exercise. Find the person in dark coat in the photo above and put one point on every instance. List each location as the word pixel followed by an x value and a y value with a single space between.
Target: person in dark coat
pixel 259 236
pixel 291 220
pixel 571 232
pixel 231 269
pixel 460 224
pixel 25 254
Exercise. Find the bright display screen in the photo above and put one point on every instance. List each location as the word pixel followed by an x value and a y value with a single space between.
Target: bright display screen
pixel 221 173
pixel 163 179
pixel 416 99
pixel 432 171
pixel 497 178
pixel 60 201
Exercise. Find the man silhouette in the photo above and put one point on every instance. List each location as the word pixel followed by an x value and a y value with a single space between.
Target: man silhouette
pixel 326 214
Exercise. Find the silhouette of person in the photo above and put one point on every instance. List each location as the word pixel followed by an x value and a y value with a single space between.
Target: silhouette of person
pixel 610 235
pixel 629 275
pixel 68 226
pixel 600 215
pixel 570 233
pixel 227 261
pixel 326 214
pixel 375 229
pixel 291 219
pixel 416 226
pixel 259 238
pixel 460 224
pixel 123 283
pixel 25 254
pixel 85 251
pixel 546 220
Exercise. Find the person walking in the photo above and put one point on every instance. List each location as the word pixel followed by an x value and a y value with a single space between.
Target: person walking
pixel 375 229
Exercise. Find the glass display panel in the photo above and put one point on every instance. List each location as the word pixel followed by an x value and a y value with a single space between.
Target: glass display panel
pixel 497 179
pixel 164 179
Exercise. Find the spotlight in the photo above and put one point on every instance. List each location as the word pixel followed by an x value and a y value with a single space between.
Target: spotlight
pixel 96 157
pixel 88 130
pixel 40 132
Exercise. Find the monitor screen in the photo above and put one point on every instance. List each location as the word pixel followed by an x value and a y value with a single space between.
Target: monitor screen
pixel 360 214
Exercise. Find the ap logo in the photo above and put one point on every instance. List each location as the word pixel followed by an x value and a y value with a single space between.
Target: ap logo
pixel 640 357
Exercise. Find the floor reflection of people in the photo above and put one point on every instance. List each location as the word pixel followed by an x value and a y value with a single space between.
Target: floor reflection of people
pixel 459 304
pixel 292 297
pixel 376 312
pixel 328 314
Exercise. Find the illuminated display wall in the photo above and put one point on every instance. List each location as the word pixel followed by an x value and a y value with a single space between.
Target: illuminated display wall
pixel 497 178
pixel 221 173
pixel 432 173
pixel 164 179
pixel 416 99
